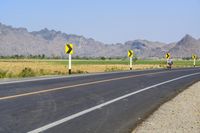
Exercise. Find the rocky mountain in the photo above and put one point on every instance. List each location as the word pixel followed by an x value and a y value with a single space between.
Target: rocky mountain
pixel 185 47
pixel 18 41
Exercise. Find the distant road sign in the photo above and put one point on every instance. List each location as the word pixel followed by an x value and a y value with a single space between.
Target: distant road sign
pixel 69 49
pixel 130 53
pixel 167 55
pixel 194 56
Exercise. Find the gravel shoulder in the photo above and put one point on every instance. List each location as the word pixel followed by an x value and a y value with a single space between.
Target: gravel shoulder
pixel 180 115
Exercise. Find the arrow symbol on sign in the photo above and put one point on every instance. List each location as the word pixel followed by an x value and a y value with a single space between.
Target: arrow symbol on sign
pixel 168 55
pixel 69 48
pixel 130 53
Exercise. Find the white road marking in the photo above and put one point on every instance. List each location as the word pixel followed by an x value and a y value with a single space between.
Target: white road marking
pixel 68 118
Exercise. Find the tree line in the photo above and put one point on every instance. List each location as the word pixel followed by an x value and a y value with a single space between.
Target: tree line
pixel 43 56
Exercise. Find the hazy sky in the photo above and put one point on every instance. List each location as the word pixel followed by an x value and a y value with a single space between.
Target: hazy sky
pixel 109 21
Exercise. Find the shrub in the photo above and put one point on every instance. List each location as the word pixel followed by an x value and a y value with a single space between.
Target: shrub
pixel 41 72
pixel 3 73
pixel 103 58
pixel 57 72
pixel 79 71
pixel 112 69
pixel 27 72
pixel 10 75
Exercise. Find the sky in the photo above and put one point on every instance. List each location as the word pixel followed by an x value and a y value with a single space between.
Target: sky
pixel 108 21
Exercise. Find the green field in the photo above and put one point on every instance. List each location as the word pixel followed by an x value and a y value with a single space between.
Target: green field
pixel 177 63
pixel 104 62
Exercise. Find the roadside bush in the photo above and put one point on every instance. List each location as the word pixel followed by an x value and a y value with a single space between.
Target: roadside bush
pixel 79 71
pixel 112 69
pixel 41 72
pixel 27 72
pixel 103 58
pixel 10 75
pixel 57 72
pixel 135 59
pixel 3 73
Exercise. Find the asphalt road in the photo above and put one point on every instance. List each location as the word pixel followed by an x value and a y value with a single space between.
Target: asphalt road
pixel 101 103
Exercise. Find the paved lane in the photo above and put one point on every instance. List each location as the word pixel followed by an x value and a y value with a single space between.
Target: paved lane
pixel 27 106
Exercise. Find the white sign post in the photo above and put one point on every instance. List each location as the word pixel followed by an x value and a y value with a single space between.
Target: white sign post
pixel 130 55
pixel 70 63
pixel 69 51
pixel 194 59
pixel 131 66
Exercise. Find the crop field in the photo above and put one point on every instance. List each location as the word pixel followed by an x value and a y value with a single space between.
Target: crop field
pixel 14 68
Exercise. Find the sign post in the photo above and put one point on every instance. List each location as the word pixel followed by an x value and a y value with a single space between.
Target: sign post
pixel 70 63
pixel 194 59
pixel 167 57
pixel 131 65
pixel 130 55
pixel 69 51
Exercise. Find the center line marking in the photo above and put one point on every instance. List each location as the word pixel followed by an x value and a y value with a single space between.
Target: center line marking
pixel 68 118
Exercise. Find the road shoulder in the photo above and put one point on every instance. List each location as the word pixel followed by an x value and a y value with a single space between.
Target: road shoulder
pixel 181 114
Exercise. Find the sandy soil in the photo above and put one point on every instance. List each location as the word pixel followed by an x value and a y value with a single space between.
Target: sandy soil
pixel 180 115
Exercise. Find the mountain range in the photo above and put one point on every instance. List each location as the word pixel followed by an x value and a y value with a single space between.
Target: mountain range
pixel 51 43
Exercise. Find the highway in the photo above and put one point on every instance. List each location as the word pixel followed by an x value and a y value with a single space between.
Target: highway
pixel 96 103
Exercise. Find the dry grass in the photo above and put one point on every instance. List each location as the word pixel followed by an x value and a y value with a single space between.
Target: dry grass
pixel 106 68
pixel 40 68
pixel 13 69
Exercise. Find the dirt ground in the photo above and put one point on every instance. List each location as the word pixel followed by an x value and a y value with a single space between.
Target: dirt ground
pixel 180 115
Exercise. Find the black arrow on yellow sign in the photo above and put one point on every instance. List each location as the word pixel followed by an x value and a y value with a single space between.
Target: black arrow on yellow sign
pixel 194 56
pixel 167 55
pixel 69 49
pixel 130 53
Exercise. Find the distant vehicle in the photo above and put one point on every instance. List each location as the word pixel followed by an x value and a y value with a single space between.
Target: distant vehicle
pixel 169 63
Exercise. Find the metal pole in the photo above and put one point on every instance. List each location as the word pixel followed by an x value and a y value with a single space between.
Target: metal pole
pixel 130 63
pixel 70 64
pixel 194 62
